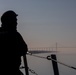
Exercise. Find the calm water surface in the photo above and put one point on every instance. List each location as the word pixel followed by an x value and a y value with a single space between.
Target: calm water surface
pixel 44 66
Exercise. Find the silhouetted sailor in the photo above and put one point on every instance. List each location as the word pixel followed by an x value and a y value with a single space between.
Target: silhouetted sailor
pixel 12 45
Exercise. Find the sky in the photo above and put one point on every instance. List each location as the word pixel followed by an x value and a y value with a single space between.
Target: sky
pixel 43 23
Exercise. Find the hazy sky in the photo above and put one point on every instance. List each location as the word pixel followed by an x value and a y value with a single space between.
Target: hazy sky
pixel 42 23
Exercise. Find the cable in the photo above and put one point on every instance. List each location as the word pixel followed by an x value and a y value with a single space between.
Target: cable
pixel 49 58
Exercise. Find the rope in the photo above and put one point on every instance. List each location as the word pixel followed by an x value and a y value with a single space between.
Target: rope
pixel 36 56
pixel 49 58
pixel 60 63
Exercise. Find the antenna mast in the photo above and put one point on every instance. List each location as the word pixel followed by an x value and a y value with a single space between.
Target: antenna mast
pixel 56 46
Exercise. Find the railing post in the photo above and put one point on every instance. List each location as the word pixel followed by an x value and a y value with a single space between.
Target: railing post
pixel 55 65
pixel 26 65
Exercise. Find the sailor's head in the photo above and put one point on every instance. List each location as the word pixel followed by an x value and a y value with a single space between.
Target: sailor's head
pixel 9 18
